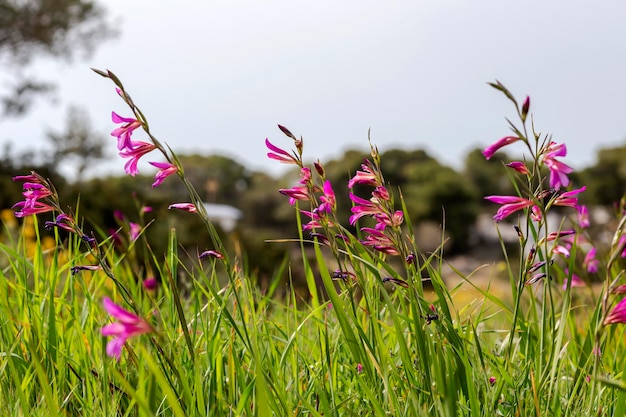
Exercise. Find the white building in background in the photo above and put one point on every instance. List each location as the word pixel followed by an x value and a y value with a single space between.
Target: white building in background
pixel 223 215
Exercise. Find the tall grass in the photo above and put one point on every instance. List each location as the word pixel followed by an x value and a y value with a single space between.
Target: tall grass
pixel 375 336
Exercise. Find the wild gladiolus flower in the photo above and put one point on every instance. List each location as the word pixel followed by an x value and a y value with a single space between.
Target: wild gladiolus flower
pixel 135 152
pixel 519 167
pixel 576 281
pixel 183 206
pixel 558 170
pixel 379 241
pixel 590 262
pixel 279 154
pixel 583 217
pixel 567 198
pixel 129 325
pixel 363 208
pixel 328 199
pixel 298 192
pixel 135 230
pixel 165 170
pixel 510 204
pixel 492 149
pixel 618 314
pixel 63 221
pixel 124 132
pixel 366 177
pixel 211 253
pixel 27 208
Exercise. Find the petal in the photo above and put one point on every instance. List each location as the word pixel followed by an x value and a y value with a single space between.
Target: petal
pixel 119 313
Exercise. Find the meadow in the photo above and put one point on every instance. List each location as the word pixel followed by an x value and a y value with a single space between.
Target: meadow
pixel 89 328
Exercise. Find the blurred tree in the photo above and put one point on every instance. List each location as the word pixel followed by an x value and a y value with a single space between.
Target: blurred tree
pixel 606 179
pixel 79 143
pixel 29 29
pixel 489 177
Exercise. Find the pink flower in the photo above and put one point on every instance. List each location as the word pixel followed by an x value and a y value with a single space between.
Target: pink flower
pixel 150 283
pixel 189 207
pixel 365 177
pixel 28 208
pixel 558 170
pixel 379 241
pixel 328 199
pixel 383 220
pixel 135 230
pixel 510 204
pixel 134 153
pixel 63 221
pixel 590 262
pixel 567 198
pixel 165 170
pixel 279 154
pixel 129 325
pixel 492 149
pixel 211 253
pixel 363 208
pixel 297 192
pixel 576 281
pixel 618 314
pixel 519 167
pixel 492 380
pixel 124 132
pixel 583 217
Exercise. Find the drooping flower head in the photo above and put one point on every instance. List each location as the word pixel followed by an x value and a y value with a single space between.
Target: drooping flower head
pixel 510 204
pixel 618 314
pixel 558 170
pixel 128 325
pixel 493 148
pixel 279 154
pixel 189 207
pixel 165 170
pixel 124 132
pixel 134 153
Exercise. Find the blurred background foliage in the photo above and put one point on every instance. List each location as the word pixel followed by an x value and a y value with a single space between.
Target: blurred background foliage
pixel 432 191
pixel 437 196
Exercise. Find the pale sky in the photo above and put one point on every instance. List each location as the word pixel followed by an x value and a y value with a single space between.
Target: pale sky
pixel 217 76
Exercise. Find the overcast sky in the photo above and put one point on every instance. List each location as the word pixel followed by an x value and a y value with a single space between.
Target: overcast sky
pixel 217 76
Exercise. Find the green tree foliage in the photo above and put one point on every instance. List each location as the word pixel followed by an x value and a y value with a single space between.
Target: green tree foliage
pixel 489 177
pixel 59 29
pixel 78 144
pixel 606 179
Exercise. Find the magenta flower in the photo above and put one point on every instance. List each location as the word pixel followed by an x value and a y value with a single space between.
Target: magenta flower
pixel 76 269
pixel 590 262
pixel 279 154
pixel 366 177
pixel 298 192
pixel 27 208
pixel 519 167
pixel 576 281
pixel 63 221
pixel 618 314
pixel 383 220
pixel 129 325
pixel 124 132
pixel 379 241
pixel 567 198
pixel 492 149
pixel 558 170
pixel 328 199
pixel 558 234
pixel 363 208
pixel 583 217
pixel 134 153
pixel 183 206
pixel 510 204
pixel 165 170
pixel 211 253
pixel 135 230
pixel 535 214
pixel 150 283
